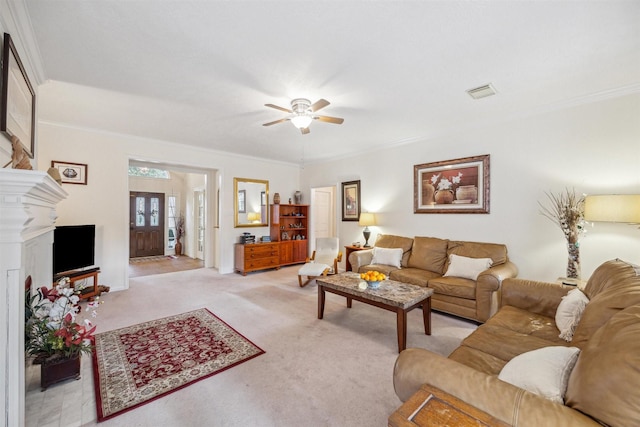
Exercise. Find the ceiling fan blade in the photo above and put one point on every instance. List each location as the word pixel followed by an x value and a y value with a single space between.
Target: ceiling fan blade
pixel 320 103
pixel 328 119
pixel 286 110
pixel 275 122
pixel 305 131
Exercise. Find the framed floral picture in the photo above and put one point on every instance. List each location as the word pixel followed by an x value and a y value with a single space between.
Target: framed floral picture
pixel 351 201
pixel 452 186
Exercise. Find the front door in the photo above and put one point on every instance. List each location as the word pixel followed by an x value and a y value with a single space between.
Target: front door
pixel 146 224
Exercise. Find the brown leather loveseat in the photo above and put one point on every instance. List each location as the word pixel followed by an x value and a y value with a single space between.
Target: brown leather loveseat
pixel 427 260
pixel 602 388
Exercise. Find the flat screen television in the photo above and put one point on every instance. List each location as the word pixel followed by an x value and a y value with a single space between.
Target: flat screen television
pixel 73 247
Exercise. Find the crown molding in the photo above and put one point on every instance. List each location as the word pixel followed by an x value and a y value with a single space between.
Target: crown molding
pixel 16 21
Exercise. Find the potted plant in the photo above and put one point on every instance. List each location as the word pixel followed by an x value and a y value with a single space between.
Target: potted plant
pixel 179 233
pixel 52 334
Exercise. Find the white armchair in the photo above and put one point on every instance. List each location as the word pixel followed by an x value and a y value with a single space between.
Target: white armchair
pixel 323 261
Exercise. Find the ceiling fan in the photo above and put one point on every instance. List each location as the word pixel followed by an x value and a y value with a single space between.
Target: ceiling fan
pixel 302 114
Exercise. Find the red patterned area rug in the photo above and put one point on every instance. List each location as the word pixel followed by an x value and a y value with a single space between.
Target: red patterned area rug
pixel 140 363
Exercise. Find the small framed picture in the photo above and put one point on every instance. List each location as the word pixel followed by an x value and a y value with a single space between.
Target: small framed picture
pixel 351 201
pixel 71 173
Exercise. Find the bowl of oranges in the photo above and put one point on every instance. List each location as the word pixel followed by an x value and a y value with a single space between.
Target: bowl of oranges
pixel 373 278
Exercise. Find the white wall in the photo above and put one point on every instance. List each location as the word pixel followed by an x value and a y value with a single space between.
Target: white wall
pixel 593 148
pixel 104 200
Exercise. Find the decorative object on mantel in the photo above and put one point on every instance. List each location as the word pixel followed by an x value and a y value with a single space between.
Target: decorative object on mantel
pixel 19 157
pixel 52 334
pixel 297 197
pixel 276 198
pixel 179 233
pixel 567 212
pixel 71 173
pixel 452 186
pixel 55 174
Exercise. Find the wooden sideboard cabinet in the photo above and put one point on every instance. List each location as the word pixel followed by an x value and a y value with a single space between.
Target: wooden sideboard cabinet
pixel 256 256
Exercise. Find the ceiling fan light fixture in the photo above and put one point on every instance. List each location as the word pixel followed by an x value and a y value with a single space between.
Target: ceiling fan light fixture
pixel 302 121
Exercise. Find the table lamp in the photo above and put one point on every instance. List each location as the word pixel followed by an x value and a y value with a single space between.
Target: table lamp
pixel 367 219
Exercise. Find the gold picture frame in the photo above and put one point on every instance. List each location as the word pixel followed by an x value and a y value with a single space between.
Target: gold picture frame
pixel 452 186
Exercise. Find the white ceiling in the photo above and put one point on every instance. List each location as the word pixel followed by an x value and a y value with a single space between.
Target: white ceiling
pixel 200 72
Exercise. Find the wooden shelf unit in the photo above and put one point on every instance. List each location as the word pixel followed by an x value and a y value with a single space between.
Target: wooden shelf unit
pixel 290 227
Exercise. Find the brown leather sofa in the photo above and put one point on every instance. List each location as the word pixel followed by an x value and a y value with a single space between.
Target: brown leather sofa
pixel 426 259
pixel 603 386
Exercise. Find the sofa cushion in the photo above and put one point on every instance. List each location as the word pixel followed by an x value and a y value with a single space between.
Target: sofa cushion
pixel 387 256
pixel 382 268
pixel 569 313
pixel 544 371
pixel 468 268
pixel 614 286
pixel 454 286
pixel 604 382
pixel 497 252
pixel 428 253
pixel 413 276
pixel 391 241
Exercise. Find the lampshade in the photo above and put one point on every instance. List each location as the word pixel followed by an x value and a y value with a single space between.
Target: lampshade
pixel 302 121
pixel 613 208
pixel 367 219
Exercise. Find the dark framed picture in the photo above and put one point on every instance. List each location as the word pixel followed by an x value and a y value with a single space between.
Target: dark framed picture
pixel 71 173
pixel 452 186
pixel 351 201
pixel 18 99
pixel 242 201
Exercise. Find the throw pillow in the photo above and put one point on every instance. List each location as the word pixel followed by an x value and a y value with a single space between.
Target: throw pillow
pixel 386 256
pixel 569 312
pixel 469 268
pixel 544 371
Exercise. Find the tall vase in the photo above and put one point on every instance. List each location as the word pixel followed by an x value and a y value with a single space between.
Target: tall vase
pixel 54 370
pixel 444 197
pixel 178 248
pixel 573 262
pixel 428 190
pixel 297 197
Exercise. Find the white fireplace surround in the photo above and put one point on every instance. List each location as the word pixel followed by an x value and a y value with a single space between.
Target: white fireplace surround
pixel 28 202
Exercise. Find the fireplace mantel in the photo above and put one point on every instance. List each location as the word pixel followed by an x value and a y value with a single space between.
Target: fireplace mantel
pixel 28 202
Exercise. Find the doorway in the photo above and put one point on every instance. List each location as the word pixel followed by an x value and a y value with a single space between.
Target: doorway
pixel 146 224
pixel 323 213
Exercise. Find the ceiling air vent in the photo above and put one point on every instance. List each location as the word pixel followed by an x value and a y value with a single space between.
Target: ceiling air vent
pixel 482 91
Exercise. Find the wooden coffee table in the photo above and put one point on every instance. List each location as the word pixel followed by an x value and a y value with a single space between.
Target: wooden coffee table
pixel 391 295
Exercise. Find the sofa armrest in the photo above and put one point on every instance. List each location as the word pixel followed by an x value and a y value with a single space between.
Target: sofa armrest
pixel 359 258
pixel 534 296
pixel 499 399
pixel 487 286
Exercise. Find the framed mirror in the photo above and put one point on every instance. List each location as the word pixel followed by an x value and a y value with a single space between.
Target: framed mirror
pixel 251 202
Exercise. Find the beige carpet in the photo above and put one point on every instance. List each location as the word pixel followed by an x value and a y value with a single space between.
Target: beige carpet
pixel 331 372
